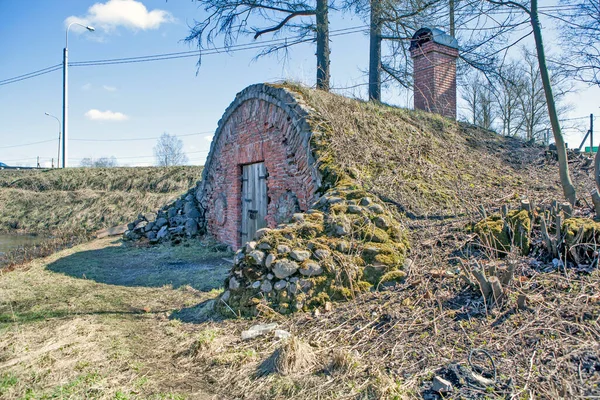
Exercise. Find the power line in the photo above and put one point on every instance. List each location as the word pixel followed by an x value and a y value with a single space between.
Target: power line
pixel 28 144
pixel 31 75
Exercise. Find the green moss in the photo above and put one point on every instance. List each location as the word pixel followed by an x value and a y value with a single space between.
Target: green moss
pixel 500 234
pixel 587 229
pixel 393 277
pixel 309 230
pixel 363 286
pixel 357 194
pixel 340 293
pixel 318 300
pixel 339 208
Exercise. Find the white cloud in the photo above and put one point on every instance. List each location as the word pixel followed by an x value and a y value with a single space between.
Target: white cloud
pixel 97 115
pixel 87 86
pixel 209 137
pixel 128 13
pixel 109 88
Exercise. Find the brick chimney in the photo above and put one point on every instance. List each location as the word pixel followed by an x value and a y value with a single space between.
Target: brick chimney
pixel 434 55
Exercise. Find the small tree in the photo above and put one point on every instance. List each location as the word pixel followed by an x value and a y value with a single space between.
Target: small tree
pixel 169 151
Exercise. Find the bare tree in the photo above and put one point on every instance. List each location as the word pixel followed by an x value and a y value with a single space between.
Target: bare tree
pixel 169 151
pixel 230 19
pixel 580 34
pixel 510 87
pixel 102 162
pixel 531 12
pixel 481 104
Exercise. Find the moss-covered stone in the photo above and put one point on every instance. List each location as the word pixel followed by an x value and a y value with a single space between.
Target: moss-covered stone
pixel 397 276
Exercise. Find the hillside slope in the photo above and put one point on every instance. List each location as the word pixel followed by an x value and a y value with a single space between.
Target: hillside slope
pixel 429 165
pixel 82 200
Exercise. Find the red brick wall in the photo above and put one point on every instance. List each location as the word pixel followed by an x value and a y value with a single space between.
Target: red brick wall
pixel 257 130
pixel 435 78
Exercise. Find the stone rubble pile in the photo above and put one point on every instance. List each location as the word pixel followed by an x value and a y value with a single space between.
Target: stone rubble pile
pixel 346 243
pixel 182 218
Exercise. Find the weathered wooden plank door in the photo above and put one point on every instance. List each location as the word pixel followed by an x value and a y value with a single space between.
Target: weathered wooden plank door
pixel 254 200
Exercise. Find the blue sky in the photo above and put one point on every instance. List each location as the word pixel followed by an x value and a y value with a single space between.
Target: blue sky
pixel 143 100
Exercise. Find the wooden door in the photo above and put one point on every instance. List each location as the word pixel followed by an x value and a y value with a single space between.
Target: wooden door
pixel 254 200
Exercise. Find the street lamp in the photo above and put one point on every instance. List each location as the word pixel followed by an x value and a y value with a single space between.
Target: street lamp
pixel 65 89
pixel 58 158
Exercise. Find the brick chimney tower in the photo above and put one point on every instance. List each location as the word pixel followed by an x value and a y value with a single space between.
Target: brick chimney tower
pixel 434 55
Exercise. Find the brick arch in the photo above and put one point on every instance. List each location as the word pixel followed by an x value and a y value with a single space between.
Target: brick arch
pixel 263 124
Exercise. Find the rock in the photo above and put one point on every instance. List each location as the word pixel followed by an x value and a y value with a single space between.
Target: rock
pixel 300 255
pixel 149 227
pixel 270 276
pixel 334 200
pixel 381 223
pixel 294 279
pixel 284 268
pixel 280 285
pixel 305 284
pixel 341 230
pixel 193 213
pixel 328 306
pixel 150 217
pixel 255 257
pixel 172 212
pixel 281 334
pixel 239 257
pixel 151 235
pixel 261 233
pixel 352 209
pixel 264 246
pixel 160 222
pixel 441 385
pixel 311 269
pixel 269 261
pixel 249 247
pixel 365 201
pixel 162 233
pixel 191 227
pixel 376 208
pixel 293 288
pixel 407 263
pixel 343 247
pixel 266 287
pixel 131 226
pixel 256 285
pixel 322 254
pixel 258 330
pixel 188 207
pixel 283 249
pixel 225 296
pixel 140 225
pixel 233 283
pixel 298 217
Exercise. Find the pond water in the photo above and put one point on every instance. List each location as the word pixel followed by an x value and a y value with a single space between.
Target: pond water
pixel 9 242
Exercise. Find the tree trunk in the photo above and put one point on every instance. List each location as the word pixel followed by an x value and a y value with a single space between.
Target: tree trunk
pixel 322 45
pixel 375 52
pixel 563 165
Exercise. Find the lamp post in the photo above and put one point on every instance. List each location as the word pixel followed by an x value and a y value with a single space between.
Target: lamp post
pixel 57 120
pixel 65 89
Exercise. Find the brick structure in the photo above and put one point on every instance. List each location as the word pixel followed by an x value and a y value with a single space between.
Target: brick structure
pixel 263 124
pixel 434 56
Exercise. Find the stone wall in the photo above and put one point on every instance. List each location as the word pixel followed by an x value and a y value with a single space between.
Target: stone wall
pixel 263 124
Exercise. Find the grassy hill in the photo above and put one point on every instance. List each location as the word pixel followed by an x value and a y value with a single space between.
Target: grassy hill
pixel 82 200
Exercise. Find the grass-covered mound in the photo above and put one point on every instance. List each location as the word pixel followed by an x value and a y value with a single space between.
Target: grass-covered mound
pixel 429 165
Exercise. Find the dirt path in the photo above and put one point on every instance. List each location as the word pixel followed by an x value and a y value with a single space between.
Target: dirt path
pixel 97 321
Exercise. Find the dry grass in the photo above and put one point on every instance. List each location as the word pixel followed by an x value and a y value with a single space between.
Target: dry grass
pixel 83 200
pixel 94 321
